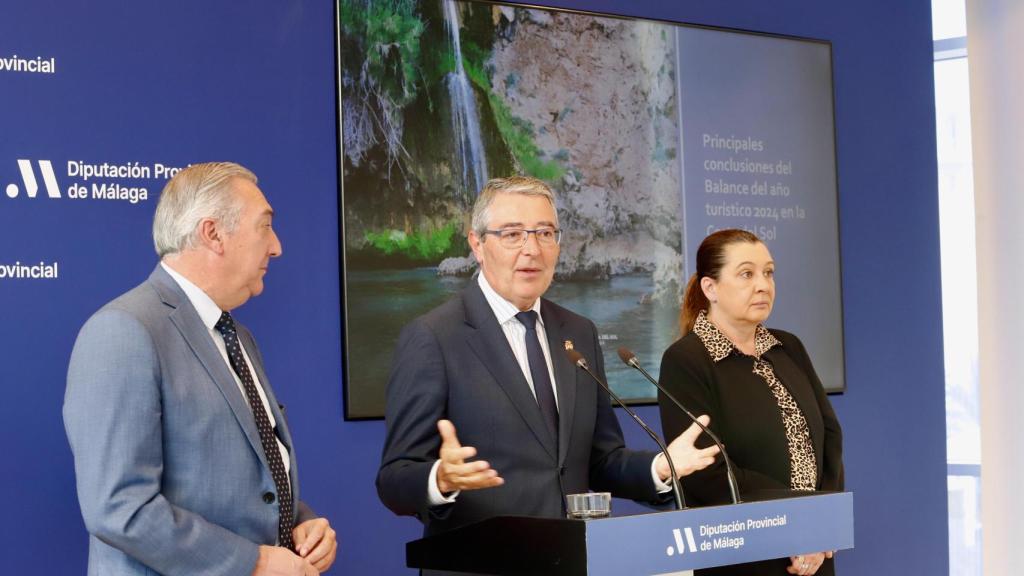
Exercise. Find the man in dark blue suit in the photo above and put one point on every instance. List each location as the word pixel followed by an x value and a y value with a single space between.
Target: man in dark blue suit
pixel 486 373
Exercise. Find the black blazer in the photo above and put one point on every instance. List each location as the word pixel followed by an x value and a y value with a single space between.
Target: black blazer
pixel 746 417
pixel 455 363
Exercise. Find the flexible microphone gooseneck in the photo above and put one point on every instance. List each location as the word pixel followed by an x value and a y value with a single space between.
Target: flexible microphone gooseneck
pixel 581 362
pixel 629 359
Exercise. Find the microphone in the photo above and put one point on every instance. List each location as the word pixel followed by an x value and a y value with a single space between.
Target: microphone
pixel 629 359
pixel 581 362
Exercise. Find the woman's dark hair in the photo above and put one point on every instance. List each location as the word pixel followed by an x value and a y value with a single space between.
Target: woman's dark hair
pixel 710 259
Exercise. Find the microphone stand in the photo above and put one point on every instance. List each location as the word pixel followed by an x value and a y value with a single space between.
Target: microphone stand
pixel 629 359
pixel 581 362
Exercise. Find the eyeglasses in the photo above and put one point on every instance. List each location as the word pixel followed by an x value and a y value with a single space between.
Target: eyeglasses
pixel 515 238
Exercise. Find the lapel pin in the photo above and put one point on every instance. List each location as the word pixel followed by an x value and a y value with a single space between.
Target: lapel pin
pixel 568 345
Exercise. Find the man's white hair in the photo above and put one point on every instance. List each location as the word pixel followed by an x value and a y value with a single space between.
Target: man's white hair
pixel 196 193
pixel 522 185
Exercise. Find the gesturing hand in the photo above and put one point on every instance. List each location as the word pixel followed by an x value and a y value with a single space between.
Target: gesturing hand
pixel 454 473
pixel 685 455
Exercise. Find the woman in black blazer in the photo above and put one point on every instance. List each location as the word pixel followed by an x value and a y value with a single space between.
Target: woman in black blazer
pixel 766 403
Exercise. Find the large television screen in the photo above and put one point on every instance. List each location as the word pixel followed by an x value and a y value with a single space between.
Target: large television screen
pixel 651 133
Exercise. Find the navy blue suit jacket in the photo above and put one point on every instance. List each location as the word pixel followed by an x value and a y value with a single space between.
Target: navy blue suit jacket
pixel 455 363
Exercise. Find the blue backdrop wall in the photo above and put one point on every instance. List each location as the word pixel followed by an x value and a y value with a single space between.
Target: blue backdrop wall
pixel 147 86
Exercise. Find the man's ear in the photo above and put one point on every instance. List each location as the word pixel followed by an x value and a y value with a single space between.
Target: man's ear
pixel 476 245
pixel 210 235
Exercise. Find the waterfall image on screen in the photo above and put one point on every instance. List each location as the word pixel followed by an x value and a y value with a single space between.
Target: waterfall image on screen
pixel 438 96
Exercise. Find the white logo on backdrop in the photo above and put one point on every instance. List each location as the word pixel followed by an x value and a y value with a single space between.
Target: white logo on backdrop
pixel 107 180
pixel 28 179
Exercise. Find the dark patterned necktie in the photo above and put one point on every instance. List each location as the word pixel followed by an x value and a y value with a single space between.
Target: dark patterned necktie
pixel 539 371
pixel 226 327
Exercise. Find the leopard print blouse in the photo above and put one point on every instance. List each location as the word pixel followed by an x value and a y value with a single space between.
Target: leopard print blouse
pixel 802 462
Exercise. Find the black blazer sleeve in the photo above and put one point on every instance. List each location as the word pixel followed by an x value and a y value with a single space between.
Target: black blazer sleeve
pixel 614 468
pixel 416 399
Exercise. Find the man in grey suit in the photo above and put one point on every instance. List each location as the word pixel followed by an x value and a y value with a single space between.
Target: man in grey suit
pixel 486 374
pixel 183 459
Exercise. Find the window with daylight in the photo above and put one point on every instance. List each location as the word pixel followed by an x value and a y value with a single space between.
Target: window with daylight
pixel 959 285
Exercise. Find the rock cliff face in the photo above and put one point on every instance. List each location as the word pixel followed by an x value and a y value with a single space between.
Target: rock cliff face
pixel 601 96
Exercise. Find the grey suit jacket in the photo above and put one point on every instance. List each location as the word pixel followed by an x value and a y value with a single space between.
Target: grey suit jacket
pixel 456 363
pixel 171 475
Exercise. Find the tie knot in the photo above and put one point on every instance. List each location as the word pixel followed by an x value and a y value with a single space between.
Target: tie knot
pixel 528 319
pixel 225 324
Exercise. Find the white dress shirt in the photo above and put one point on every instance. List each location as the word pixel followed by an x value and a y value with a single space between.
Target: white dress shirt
pixel 210 313
pixel 515 333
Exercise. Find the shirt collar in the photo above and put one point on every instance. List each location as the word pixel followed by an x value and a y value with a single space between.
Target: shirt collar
pixel 208 310
pixel 503 310
pixel 719 346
